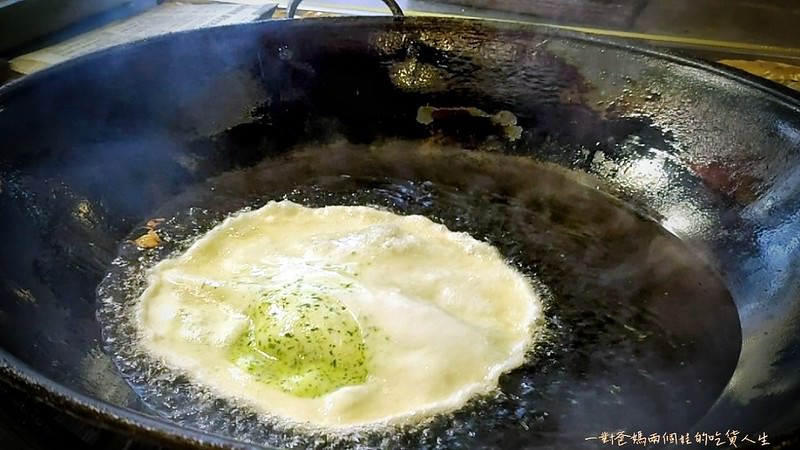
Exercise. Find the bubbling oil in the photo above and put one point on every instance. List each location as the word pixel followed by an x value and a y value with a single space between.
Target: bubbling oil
pixel 627 345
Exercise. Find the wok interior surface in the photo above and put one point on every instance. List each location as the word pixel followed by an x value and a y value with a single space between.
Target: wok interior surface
pixel 645 321
pixel 611 354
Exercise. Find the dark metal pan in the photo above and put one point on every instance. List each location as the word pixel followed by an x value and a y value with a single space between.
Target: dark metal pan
pixel 654 197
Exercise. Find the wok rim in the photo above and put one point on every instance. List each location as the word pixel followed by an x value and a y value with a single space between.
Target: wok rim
pixel 788 97
pixel 22 376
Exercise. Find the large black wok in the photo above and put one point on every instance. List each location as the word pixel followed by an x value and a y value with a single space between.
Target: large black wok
pixel 621 138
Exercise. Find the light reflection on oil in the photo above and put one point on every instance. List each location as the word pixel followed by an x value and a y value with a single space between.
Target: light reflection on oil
pixel 413 75
pixel 644 174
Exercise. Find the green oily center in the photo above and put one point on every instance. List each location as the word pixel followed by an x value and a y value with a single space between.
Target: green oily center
pixel 302 343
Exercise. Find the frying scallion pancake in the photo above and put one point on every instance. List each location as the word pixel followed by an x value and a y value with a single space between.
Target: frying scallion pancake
pixel 339 317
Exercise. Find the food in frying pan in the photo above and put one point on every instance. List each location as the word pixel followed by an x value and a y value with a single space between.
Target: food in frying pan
pixel 339 316
pixel 606 354
pixel 150 238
